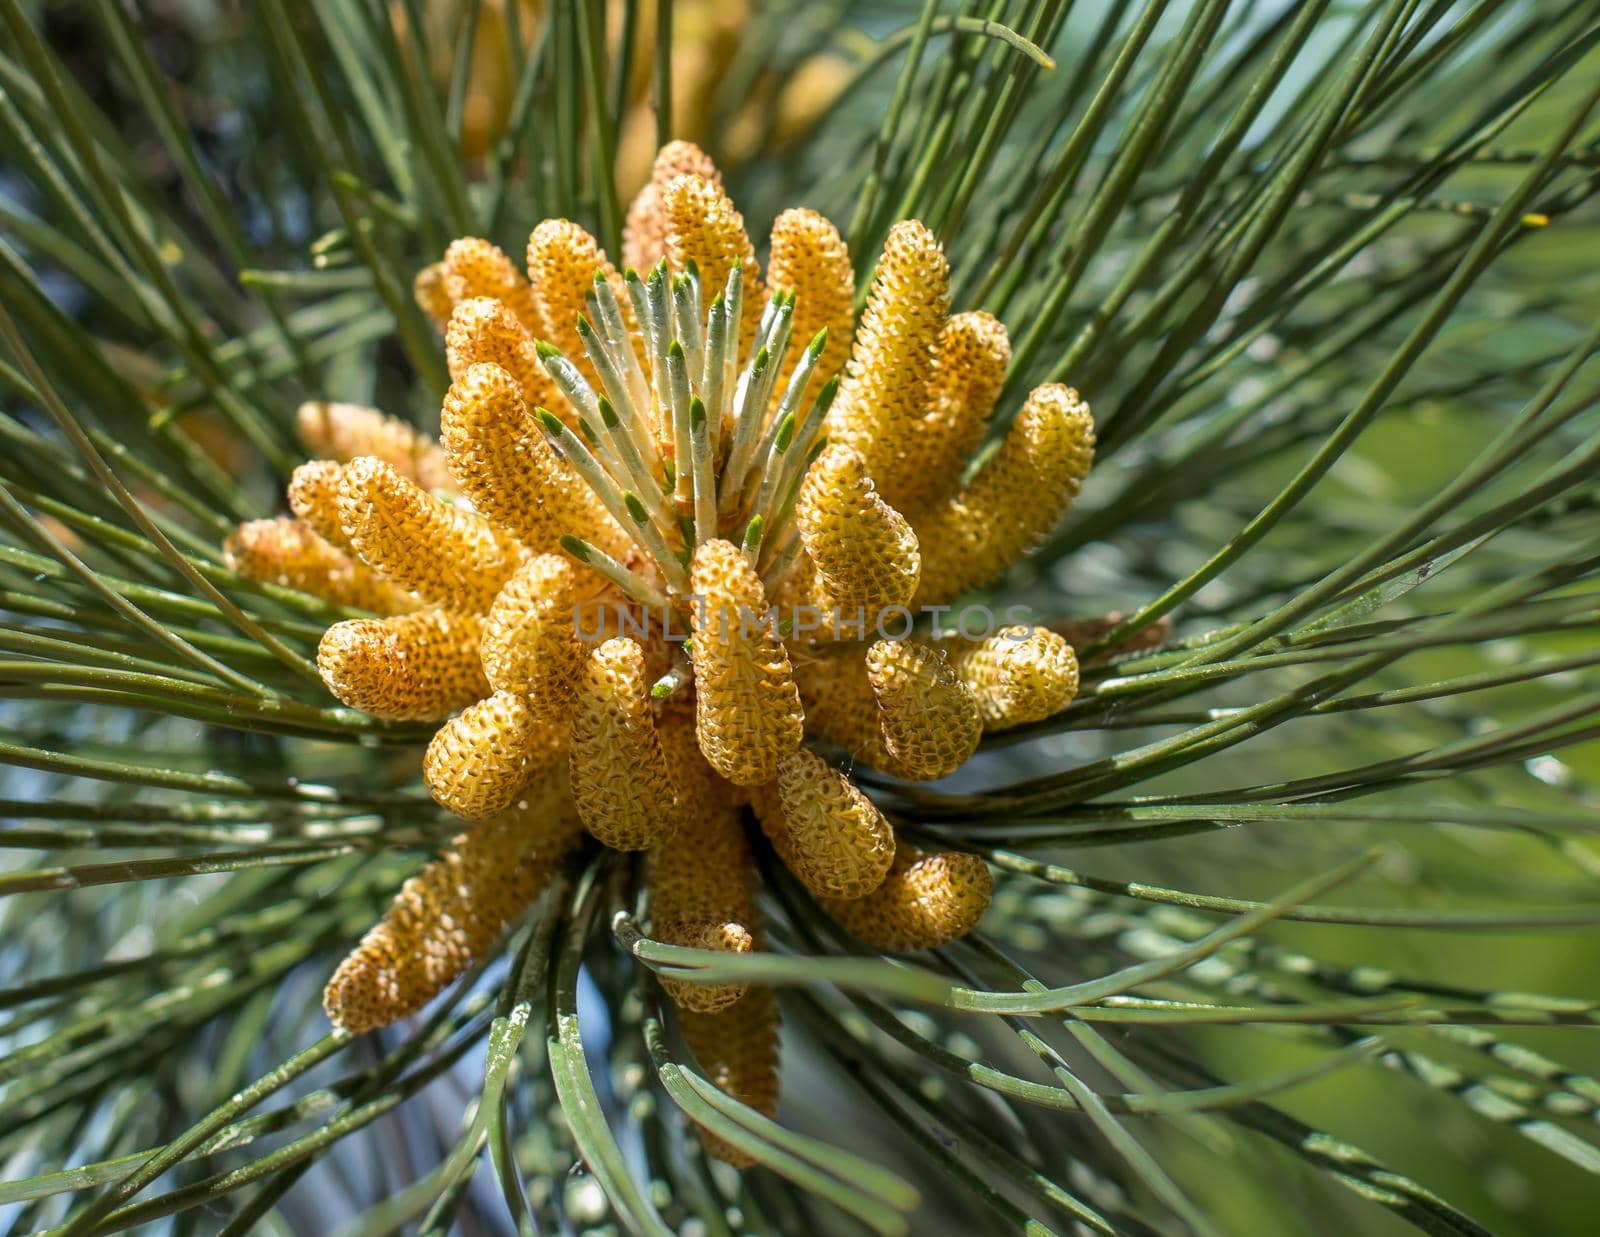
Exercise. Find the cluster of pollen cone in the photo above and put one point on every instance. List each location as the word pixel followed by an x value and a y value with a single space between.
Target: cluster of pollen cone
pixel 646 569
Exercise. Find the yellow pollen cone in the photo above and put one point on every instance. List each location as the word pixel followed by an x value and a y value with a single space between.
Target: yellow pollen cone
pixel 563 260
pixel 747 708
pixel 288 553
pixel 409 667
pixel 480 761
pixel 473 267
pixel 431 291
pixel 702 876
pixel 1016 498
pixel 704 228
pixel 502 461
pixel 864 552
pixel 880 401
pixel 448 916
pixel 530 640
pixel 969 368
pixel 619 773
pixel 928 716
pixel 344 431
pixel 644 238
pixel 810 259
pixel 314 497
pixel 829 834
pixel 1020 674
pixel 449 555
pixel 927 900
pixel 483 331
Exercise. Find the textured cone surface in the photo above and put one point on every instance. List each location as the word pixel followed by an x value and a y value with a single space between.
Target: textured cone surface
pixel 562 262
pixel 929 717
pixel 702 877
pixel 475 268
pixel 880 401
pixel 738 1050
pixel 704 228
pixel 829 834
pixel 449 555
pixel 343 432
pixel 446 917
pixel 1016 498
pixel 482 758
pixel 969 368
pixel 288 553
pixel 840 706
pixel 864 552
pixel 410 667
pixel 747 709
pixel 644 238
pixel 927 900
pixel 314 498
pixel 431 291
pixel 810 259
pixel 484 332
pixel 502 461
pixel 1020 674
pixel 530 643
pixel 619 772
pixel 692 775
